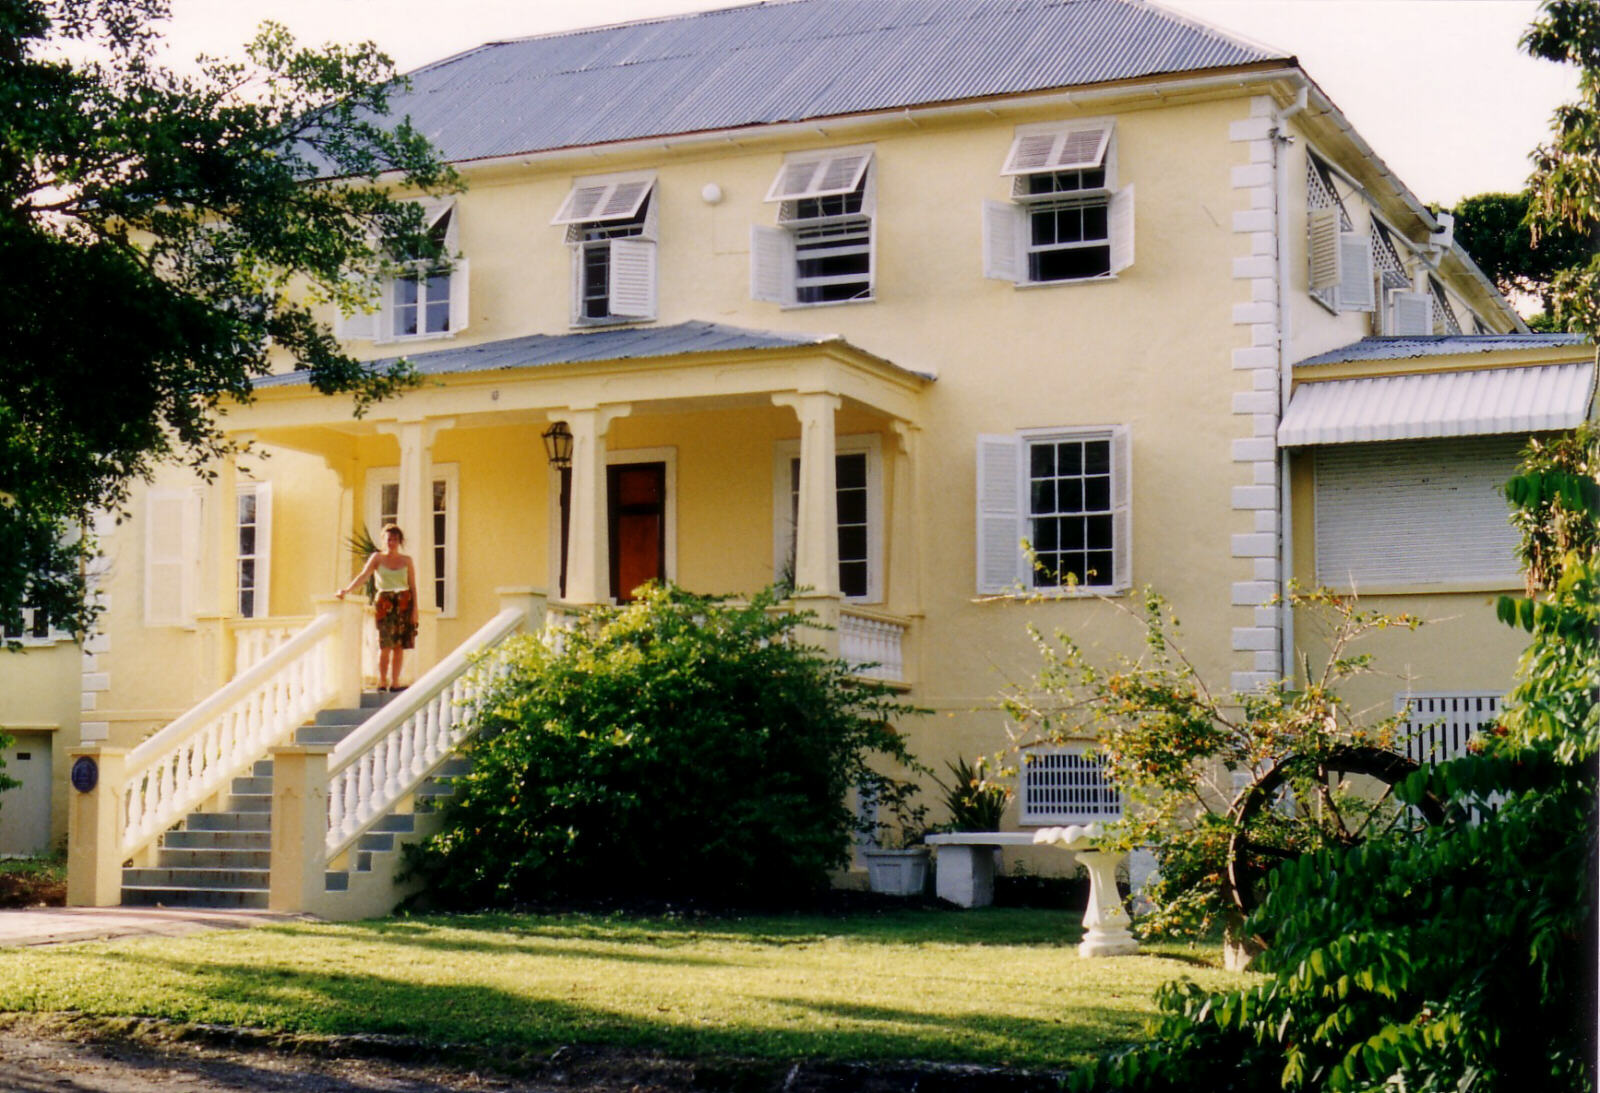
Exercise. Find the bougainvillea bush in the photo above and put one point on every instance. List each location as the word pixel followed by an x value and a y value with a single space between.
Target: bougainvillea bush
pixel 678 748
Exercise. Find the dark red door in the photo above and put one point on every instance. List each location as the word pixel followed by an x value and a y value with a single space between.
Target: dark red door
pixel 637 499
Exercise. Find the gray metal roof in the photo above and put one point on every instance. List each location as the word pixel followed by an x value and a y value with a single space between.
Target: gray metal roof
pixel 1440 345
pixel 625 343
pixel 791 60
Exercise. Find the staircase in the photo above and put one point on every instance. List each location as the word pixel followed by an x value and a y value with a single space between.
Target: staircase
pixel 222 859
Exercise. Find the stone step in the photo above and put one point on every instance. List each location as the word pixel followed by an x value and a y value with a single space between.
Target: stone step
pixel 377 700
pixel 206 879
pixel 252 841
pixel 262 769
pixel 170 857
pixel 229 821
pixel 250 802
pixel 322 734
pixel 147 896
pixel 253 784
pixel 344 715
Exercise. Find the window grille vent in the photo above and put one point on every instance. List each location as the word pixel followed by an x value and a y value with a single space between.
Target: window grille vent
pixel 1438 727
pixel 1067 786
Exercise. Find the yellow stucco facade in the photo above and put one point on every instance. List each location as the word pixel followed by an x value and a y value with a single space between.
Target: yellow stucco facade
pixel 1185 352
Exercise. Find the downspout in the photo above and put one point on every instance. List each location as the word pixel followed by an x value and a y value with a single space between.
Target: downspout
pixel 1285 538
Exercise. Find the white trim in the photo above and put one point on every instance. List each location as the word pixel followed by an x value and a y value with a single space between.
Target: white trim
pixel 450 474
pixel 262 598
pixel 784 453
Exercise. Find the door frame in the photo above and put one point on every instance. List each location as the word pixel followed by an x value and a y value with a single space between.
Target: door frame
pixel 666 455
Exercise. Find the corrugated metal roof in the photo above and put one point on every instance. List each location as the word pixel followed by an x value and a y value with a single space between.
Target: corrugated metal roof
pixel 1438 404
pixel 627 343
pixel 791 60
pixel 1440 345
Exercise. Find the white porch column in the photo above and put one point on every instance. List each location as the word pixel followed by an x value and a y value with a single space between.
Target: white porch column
pixel 416 439
pixel 218 601
pixel 904 585
pixel 816 539
pixel 588 529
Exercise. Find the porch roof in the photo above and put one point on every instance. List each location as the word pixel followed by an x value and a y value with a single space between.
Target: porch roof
pixel 615 344
pixel 1440 345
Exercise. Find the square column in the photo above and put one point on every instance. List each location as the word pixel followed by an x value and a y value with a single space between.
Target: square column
pixel 816 545
pixel 588 524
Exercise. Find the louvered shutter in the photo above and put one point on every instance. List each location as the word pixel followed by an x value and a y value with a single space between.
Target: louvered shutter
pixel 771 265
pixel 1000 560
pixel 1122 506
pixel 611 197
pixel 459 302
pixel 1002 243
pixel 820 174
pixel 1120 224
pixel 1324 249
pixel 1077 147
pixel 633 278
pixel 361 326
pixel 1412 313
pixel 1415 512
pixel 171 558
pixel 1356 289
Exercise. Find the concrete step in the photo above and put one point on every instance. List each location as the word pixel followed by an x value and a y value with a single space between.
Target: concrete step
pixel 262 769
pixel 344 715
pixel 402 822
pixel 206 858
pixel 229 821
pixel 207 879
pixel 148 896
pixel 376 841
pixel 250 802
pixel 218 840
pixel 322 734
pixel 377 700
pixel 253 784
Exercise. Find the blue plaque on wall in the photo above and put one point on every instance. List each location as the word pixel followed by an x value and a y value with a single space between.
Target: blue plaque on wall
pixel 85 774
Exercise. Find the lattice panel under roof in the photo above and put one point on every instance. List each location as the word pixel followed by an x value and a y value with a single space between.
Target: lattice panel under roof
pixel 1387 260
pixel 1444 316
pixel 1320 193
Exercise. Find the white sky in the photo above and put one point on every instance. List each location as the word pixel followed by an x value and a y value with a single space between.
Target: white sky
pixel 1437 87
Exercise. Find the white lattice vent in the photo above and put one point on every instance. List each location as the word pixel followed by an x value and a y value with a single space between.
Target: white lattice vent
pixel 1067 787
pixel 1439 726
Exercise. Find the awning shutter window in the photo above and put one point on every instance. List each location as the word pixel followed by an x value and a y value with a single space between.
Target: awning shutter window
pixel 820 174
pixel 604 199
pixel 1079 146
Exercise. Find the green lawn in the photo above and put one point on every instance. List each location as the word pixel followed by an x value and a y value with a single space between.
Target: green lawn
pixel 992 986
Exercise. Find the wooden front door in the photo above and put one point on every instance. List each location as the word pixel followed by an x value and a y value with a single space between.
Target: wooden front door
pixel 636 496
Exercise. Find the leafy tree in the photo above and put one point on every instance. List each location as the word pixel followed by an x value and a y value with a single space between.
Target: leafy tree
pixel 6 781
pixel 166 233
pixel 1494 229
pixel 681 747
pixel 1565 185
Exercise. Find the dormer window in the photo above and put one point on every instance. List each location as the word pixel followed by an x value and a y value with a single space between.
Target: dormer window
pixel 1066 221
pixel 821 251
pixel 611 228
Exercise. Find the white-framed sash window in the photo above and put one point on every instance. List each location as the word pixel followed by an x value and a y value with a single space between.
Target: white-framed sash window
pixel 611 225
pixel 425 299
pixel 822 251
pixel 435 548
pixel 253 550
pixel 858 492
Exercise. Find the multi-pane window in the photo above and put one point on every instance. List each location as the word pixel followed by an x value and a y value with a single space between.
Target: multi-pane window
pixel 821 251
pixel 1055 510
pixel 439 518
pixel 611 228
pixel 427 297
pixel 1064 785
pixel 253 531
pixel 35 625
pixel 422 304
pixel 859 517
pixel 1066 221
pixel 1070 513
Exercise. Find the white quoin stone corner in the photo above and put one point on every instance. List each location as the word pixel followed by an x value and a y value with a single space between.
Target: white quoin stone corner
pixel 1105 922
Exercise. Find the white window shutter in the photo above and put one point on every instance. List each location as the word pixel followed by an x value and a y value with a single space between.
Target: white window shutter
pixel 1122 506
pixel 771 264
pixel 384 316
pixel 651 229
pixel 460 279
pixel 633 278
pixel 1323 248
pixel 1056 147
pixel 607 197
pixel 1413 313
pixel 1356 290
pixel 581 203
pixel 820 174
pixel 361 326
pixel 1002 244
pixel 1000 560
pixel 1120 224
pixel 171 556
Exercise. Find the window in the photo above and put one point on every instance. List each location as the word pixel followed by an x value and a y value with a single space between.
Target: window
pixel 821 251
pixel 1066 785
pixel 611 228
pixel 253 538
pixel 35 629
pixel 1066 221
pixel 1438 727
pixel 1401 311
pixel 1415 512
pixel 859 493
pixel 429 298
pixel 1341 272
pixel 436 555
pixel 1065 492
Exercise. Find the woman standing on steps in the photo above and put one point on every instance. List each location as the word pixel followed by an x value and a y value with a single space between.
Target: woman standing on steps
pixel 396 606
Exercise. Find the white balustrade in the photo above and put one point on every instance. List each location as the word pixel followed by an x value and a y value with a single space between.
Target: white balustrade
pixel 391 755
pixel 254 640
pixel 172 773
pixel 872 644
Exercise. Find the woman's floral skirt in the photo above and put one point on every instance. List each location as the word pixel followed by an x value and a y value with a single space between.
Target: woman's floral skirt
pixel 397 619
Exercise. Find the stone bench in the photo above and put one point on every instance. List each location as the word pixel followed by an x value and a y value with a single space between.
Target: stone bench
pixel 965 873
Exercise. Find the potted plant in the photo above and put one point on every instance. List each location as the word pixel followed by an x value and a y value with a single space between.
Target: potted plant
pixel 974 801
pixel 897 862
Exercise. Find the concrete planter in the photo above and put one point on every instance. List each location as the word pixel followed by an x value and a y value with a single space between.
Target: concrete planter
pixel 897 872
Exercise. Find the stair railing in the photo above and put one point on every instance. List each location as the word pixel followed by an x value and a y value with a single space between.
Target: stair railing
pixel 394 752
pixel 173 772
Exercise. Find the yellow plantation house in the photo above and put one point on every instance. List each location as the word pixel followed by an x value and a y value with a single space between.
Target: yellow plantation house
pixel 863 294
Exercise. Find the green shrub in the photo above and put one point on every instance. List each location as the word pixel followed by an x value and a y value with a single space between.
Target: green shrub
pixel 681 747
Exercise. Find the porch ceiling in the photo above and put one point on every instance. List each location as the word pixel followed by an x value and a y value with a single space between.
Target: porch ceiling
pixel 671 369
